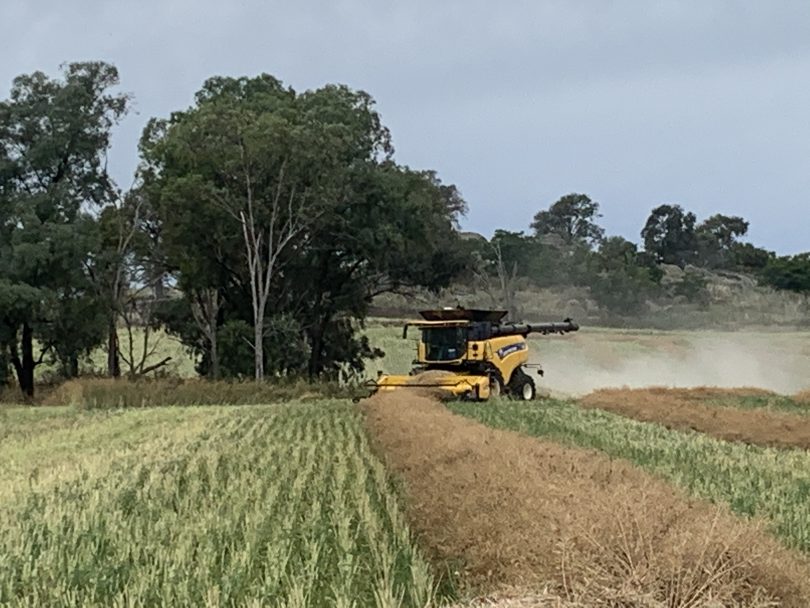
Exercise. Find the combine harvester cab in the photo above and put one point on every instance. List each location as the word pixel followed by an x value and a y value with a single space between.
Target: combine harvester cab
pixel 471 354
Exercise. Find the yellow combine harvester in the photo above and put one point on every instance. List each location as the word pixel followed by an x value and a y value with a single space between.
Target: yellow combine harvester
pixel 472 354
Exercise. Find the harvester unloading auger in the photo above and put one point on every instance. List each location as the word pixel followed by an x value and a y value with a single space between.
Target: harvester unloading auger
pixel 472 354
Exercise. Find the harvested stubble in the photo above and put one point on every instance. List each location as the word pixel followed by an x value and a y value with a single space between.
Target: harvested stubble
pixel 518 511
pixel 519 598
pixel 696 410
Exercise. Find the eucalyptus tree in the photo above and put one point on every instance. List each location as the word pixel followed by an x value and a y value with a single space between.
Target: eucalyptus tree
pixel 285 210
pixel 54 136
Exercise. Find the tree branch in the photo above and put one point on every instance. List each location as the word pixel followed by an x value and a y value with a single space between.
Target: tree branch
pixel 155 366
pixel 42 354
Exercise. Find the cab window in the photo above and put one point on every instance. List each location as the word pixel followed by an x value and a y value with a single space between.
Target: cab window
pixel 444 343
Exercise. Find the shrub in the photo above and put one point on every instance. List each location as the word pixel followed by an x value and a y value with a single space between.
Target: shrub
pixel 93 393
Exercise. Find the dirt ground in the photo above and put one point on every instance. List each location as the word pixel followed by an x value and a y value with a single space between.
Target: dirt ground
pixel 687 409
pixel 508 511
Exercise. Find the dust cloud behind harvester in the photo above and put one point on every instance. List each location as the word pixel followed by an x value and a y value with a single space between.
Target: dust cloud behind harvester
pixel 593 359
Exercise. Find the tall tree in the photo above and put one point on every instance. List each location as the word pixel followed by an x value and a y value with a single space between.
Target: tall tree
pixel 391 232
pixel 305 218
pixel 573 219
pixel 114 266
pixel 497 272
pixel 717 240
pixel 54 134
pixel 669 235
pixel 245 143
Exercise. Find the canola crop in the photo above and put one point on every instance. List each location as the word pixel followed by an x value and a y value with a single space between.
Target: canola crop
pixel 769 483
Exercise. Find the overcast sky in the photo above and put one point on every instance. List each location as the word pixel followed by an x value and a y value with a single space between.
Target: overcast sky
pixel 702 103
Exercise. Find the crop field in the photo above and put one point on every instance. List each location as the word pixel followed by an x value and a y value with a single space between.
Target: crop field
pixel 749 415
pixel 653 497
pixel 753 481
pixel 594 529
pixel 743 450
pixel 241 506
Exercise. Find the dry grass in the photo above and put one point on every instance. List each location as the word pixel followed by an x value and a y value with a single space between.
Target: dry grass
pixel 518 598
pixel 510 511
pixel 686 409
pixel 803 397
pixel 99 393
pixel 711 392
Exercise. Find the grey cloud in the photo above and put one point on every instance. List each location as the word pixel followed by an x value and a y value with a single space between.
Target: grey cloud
pixel 636 103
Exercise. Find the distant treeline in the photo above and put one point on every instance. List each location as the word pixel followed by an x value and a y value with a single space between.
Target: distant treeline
pixel 260 225
pixel 566 246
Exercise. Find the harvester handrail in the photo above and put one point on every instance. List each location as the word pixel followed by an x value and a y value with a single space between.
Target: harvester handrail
pixel 417 323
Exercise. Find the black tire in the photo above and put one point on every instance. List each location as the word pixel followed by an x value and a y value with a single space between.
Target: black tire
pixel 496 387
pixel 521 386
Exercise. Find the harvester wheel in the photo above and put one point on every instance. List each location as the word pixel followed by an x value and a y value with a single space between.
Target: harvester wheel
pixel 522 387
pixel 495 386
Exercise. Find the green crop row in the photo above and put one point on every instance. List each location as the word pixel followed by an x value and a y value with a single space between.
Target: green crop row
pixel 769 483
pixel 242 506
pixel 768 402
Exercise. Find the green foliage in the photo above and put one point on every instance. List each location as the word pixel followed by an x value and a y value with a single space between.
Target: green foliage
pixel 53 137
pixel 517 252
pixel 749 258
pixel 623 283
pixel 269 505
pixel 544 263
pixel 338 221
pixel 762 482
pixel 717 240
pixel 670 236
pixel 788 272
pixel 235 350
pixel 286 351
pixel 572 219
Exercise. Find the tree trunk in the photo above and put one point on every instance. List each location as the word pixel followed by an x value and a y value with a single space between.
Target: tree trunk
pixel 14 357
pixel 160 288
pixel 258 345
pixel 26 370
pixel 73 367
pixel 205 307
pixel 113 357
pixel 316 346
pixel 316 363
pixel 212 339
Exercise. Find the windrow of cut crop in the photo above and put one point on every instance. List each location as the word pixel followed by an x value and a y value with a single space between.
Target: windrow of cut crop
pixel 769 483
pixel 709 411
pixel 507 510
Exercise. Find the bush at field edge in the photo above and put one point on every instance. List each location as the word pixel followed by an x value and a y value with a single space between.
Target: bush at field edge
pixel 93 393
